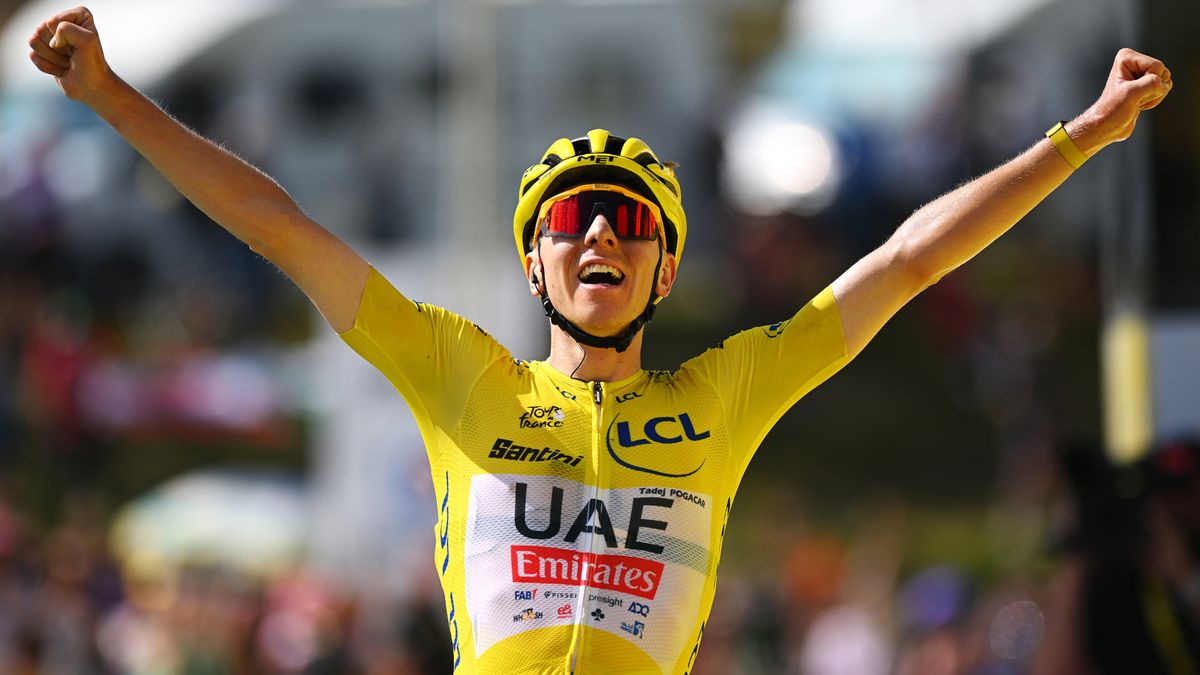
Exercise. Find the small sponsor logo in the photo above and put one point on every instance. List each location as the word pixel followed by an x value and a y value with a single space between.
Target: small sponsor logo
pixel 566 611
pixel 560 595
pixel 776 329
pixel 628 397
pixel 639 609
pixel 566 394
pixel 597 614
pixel 621 573
pixel 525 595
pixel 506 449
pixel 634 628
pixel 606 600
pixel 541 417
pixel 528 615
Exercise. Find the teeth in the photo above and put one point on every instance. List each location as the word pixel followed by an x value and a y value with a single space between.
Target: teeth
pixel 600 269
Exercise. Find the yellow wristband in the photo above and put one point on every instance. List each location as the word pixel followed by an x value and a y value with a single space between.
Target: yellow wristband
pixel 1065 146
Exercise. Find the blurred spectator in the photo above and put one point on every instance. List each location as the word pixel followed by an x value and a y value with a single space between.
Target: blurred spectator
pixel 1128 588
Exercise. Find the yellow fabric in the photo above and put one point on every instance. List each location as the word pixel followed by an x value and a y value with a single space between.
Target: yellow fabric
pixel 580 524
pixel 1066 147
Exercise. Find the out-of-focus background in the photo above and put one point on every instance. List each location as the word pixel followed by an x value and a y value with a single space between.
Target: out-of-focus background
pixel 196 476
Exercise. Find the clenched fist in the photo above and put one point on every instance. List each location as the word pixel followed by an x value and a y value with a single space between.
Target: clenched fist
pixel 1136 82
pixel 68 47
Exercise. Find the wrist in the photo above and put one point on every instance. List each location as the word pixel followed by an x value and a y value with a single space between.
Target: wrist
pixel 1088 133
pixel 107 94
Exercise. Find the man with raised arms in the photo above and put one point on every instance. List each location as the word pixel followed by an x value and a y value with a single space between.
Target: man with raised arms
pixel 621 532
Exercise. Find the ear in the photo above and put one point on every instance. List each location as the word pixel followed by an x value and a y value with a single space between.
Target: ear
pixel 535 282
pixel 666 276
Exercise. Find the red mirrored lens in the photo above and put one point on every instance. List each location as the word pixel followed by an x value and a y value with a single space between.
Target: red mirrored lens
pixel 573 215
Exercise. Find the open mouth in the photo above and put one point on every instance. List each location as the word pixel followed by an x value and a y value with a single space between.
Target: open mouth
pixel 601 274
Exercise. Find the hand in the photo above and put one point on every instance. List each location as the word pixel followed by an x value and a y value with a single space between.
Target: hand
pixel 1137 82
pixel 67 46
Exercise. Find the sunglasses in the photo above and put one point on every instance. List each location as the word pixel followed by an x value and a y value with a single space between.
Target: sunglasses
pixel 570 214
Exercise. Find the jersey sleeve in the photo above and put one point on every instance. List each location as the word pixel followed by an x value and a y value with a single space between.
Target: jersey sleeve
pixel 433 357
pixel 761 372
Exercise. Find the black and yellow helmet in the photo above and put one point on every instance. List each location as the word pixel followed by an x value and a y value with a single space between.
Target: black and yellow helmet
pixel 600 157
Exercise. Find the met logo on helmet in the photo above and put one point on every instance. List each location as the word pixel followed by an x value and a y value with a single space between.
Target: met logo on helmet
pixel 598 159
pixel 661 430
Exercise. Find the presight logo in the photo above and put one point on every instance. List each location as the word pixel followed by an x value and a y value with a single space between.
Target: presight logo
pixel 663 430
pixel 506 449
pixel 542 416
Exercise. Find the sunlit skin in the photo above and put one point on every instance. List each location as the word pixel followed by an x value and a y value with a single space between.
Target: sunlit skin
pixel 597 308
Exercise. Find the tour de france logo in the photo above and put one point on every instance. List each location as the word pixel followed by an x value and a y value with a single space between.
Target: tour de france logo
pixel 542 417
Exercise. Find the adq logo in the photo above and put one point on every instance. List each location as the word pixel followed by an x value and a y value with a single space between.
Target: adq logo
pixel 663 430
pixel 639 609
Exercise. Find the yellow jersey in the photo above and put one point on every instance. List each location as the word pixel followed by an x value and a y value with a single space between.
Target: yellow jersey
pixel 580 523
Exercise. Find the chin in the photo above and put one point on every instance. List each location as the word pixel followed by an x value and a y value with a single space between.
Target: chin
pixel 601 320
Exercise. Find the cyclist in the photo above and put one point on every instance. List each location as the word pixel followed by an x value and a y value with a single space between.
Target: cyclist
pixel 583 500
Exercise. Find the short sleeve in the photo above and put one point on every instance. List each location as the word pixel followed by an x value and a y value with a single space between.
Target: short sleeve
pixel 431 356
pixel 761 372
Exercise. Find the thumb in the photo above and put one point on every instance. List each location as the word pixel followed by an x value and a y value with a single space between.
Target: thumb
pixel 1149 87
pixel 69 36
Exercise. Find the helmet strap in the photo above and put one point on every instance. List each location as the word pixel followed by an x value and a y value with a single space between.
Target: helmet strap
pixel 620 341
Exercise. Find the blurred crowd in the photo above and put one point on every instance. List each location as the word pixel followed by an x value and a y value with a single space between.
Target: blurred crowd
pixel 69 608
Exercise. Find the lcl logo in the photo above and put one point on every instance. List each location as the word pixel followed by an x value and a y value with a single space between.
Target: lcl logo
pixel 661 430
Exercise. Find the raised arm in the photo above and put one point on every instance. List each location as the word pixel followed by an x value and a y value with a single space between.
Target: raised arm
pixel 951 229
pixel 237 196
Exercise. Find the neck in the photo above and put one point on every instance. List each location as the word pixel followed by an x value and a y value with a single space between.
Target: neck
pixel 599 364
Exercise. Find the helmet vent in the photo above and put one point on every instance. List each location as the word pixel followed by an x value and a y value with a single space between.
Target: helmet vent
pixel 645 159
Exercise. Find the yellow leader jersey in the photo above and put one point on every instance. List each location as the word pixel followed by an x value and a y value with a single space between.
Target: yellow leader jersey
pixel 580 523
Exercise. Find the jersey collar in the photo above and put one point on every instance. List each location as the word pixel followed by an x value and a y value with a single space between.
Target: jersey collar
pixel 582 386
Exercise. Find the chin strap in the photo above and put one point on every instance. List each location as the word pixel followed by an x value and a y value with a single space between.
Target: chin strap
pixel 620 341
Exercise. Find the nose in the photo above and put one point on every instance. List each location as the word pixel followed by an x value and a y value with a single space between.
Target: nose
pixel 600 232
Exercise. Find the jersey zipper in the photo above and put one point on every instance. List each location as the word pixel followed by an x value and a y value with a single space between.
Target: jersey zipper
pixel 581 618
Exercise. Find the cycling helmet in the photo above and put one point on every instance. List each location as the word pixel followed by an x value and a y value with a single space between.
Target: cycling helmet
pixel 600 157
